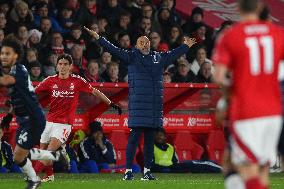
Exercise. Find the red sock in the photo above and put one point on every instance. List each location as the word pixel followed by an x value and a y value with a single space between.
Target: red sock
pixel 266 187
pixel 49 170
pixel 39 167
pixel 254 183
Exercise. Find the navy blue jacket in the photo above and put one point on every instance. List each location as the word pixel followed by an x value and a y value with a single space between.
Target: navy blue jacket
pixel 90 151
pixel 7 153
pixel 145 80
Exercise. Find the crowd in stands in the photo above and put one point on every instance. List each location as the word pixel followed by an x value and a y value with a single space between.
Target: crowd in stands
pixel 49 28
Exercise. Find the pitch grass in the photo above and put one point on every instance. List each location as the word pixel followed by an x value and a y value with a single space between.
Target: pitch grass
pixel 114 181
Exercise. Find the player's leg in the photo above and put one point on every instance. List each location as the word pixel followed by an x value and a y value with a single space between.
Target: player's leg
pixel 232 179
pixel 44 141
pixel 133 141
pixel 59 134
pixel 149 135
pixel 20 158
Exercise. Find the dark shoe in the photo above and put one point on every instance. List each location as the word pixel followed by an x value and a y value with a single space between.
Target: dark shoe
pixel 33 185
pixel 128 176
pixel 148 176
pixel 63 159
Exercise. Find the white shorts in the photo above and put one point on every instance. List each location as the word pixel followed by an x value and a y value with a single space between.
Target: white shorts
pixel 255 140
pixel 55 130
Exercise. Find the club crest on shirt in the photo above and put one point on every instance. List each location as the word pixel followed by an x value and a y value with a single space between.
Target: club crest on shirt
pixel 71 86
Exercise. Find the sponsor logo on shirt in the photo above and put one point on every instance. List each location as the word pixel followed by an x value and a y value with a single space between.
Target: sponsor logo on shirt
pixel 63 94
pixel 55 86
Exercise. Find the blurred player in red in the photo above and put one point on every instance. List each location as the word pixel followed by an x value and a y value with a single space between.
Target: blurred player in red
pixel 63 90
pixel 251 51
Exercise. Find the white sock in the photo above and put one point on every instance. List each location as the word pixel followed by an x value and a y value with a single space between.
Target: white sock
pixel 128 170
pixel 146 170
pixel 37 154
pixel 234 181
pixel 29 171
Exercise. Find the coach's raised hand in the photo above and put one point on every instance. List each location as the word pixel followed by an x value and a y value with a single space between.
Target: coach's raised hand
pixel 189 41
pixel 92 33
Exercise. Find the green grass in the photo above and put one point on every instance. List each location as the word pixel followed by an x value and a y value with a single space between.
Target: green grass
pixel 114 181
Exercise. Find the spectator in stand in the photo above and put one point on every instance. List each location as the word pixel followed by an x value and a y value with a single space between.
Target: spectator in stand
pixel 143 29
pixel 96 152
pixel 196 17
pixel 75 37
pixel 87 11
pixel 165 21
pixel 42 12
pixel 3 23
pixel 171 5
pixel 123 25
pixel 134 7
pixel 167 77
pixel 92 74
pixel 56 47
pixel 79 61
pixel 183 74
pixel 5 7
pixel 175 36
pixel 22 35
pixel 34 37
pixel 106 58
pixel 204 74
pixel 149 12
pixel 45 28
pixel 104 27
pixel 35 71
pixel 2 36
pixel 49 66
pixel 201 57
pixel 112 11
pixel 124 43
pixel 20 14
pixel 31 56
pixel 112 73
pixel 166 159
pixel 93 50
pixel 7 163
pixel 224 26
pixel 65 19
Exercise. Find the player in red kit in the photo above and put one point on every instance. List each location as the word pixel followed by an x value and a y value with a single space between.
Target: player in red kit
pixel 63 90
pixel 251 52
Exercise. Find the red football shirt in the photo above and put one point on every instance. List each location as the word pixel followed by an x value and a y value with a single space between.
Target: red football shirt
pixel 252 51
pixel 64 96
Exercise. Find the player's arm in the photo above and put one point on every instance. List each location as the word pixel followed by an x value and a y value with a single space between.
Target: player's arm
pixel 105 99
pixel 222 60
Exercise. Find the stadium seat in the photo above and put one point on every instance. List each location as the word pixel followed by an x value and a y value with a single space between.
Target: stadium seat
pixel 119 141
pixel 215 145
pixel 186 148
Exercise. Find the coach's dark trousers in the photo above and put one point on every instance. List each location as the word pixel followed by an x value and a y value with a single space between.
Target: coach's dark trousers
pixel 133 142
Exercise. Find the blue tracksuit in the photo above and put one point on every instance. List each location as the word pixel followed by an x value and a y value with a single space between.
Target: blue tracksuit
pixel 7 159
pixel 92 158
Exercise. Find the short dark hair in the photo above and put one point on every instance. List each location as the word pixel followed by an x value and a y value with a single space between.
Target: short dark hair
pixel 65 56
pixel 15 44
pixel 264 14
pixel 248 6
